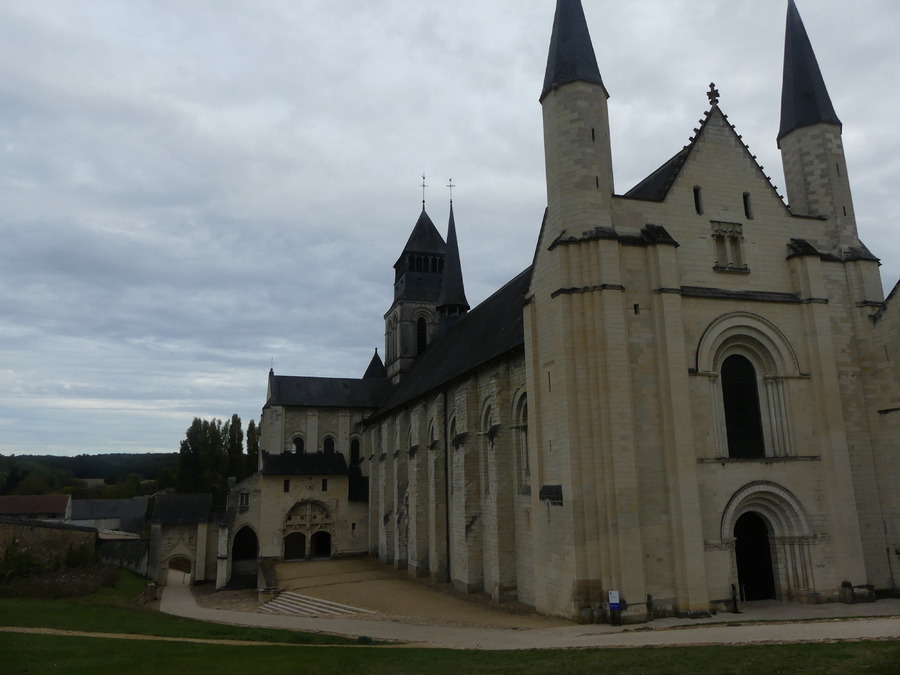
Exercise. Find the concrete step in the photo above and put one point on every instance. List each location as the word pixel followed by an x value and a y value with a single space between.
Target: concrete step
pixel 295 604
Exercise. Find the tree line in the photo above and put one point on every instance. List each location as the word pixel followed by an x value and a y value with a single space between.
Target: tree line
pixel 212 452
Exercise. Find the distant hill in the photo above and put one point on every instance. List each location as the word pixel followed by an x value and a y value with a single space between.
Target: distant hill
pixel 51 473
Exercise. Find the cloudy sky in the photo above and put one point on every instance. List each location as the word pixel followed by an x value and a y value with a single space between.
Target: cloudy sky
pixel 192 191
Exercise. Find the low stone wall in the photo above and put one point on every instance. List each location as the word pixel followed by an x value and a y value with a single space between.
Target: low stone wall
pixel 48 542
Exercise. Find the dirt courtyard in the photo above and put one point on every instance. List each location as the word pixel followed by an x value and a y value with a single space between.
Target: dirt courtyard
pixel 368 584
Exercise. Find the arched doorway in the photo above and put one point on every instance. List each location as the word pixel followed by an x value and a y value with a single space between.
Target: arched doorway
pixel 178 570
pixel 295 546
pixel 245 545
pixel 756 575
pixel 244 559
pixel 321 545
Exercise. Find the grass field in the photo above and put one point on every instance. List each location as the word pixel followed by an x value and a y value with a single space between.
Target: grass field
pixel 112 611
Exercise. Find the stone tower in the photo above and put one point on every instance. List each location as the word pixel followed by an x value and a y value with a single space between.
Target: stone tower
pixel 577 358
pixel 812 152
pixel 412 321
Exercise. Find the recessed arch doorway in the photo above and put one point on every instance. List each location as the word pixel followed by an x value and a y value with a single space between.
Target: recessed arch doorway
pixel 295 546
pixel 753 553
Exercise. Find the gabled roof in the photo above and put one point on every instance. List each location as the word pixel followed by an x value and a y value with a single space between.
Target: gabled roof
pixel 804 97
pixel 324 392
pixel 424 238
pixel 11 505
pixel 172 509
pixel 304 464
pixel 656 186
pixel 571 57
pixel 489 331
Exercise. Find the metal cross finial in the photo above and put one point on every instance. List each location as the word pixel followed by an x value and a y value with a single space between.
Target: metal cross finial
pixel 451 186
pixel 423 189
pixel 713 94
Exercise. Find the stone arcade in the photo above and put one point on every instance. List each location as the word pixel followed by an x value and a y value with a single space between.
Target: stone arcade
pixel 694 387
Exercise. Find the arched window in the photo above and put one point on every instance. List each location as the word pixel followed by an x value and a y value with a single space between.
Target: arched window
pixel 522 440
pixel 421 335
pixel 743 421
pixel 354 452
pixel 328 445
pixel 298 446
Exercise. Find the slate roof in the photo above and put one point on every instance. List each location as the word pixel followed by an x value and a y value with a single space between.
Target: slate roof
pixel 571 57
pixel 131 512
pixel 376 369
pixel 304 464
pixel 453 292
pixel 424 238
pixel 804 97
pixel 324 392
pixel 489 331
pixel 656 186
pixel 12 505
pixel 171 509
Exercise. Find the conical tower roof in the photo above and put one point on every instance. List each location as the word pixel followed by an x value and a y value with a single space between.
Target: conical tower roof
pixel 804 97
pixel 425 237
pixel 571 57
pixel 453 292
pixel 376 369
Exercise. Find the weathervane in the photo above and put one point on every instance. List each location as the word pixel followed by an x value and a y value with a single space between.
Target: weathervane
pixel 423 190
pixel 713 94
pixel 451 186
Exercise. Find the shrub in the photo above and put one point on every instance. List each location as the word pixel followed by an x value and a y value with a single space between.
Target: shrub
pixel 18 563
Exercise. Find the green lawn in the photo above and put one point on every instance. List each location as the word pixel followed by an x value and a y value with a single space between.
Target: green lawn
pixel 112 611
pixel 52 654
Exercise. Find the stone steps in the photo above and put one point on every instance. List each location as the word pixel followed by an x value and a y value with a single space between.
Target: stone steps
pixel 295 604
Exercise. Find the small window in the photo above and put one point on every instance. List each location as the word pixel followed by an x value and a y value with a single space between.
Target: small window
pixel 298 446
pixel 244 501
pixel 698 200
pixel 328 445
pixel 287 485
pixel 324 485
pixel 355 457
pixel 748 210
pixel 421 335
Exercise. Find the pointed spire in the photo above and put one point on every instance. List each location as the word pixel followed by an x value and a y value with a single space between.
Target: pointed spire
pixel 571 57
pixel 453 293
pixel 804 98
pixel 376 369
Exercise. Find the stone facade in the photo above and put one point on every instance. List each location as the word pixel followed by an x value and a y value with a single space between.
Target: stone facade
pixel 691 393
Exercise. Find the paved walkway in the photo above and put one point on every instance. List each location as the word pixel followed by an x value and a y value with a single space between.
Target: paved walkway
pixel 802 623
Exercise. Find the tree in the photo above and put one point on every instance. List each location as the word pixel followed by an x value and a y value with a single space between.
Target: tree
pixel 252 448
pixel 233 435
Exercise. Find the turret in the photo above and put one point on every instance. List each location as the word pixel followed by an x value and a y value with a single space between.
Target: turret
pixel 812 151
pixel 452 303
pixel 576 127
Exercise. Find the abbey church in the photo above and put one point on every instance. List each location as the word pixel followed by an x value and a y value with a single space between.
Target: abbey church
pixel 692 393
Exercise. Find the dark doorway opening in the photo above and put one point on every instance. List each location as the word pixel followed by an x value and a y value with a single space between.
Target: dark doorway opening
pixel 756 576
pixel 245 545
pixel 321 545
pixel 295 546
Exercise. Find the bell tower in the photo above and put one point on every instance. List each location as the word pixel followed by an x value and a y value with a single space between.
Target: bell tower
pixel 411 322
